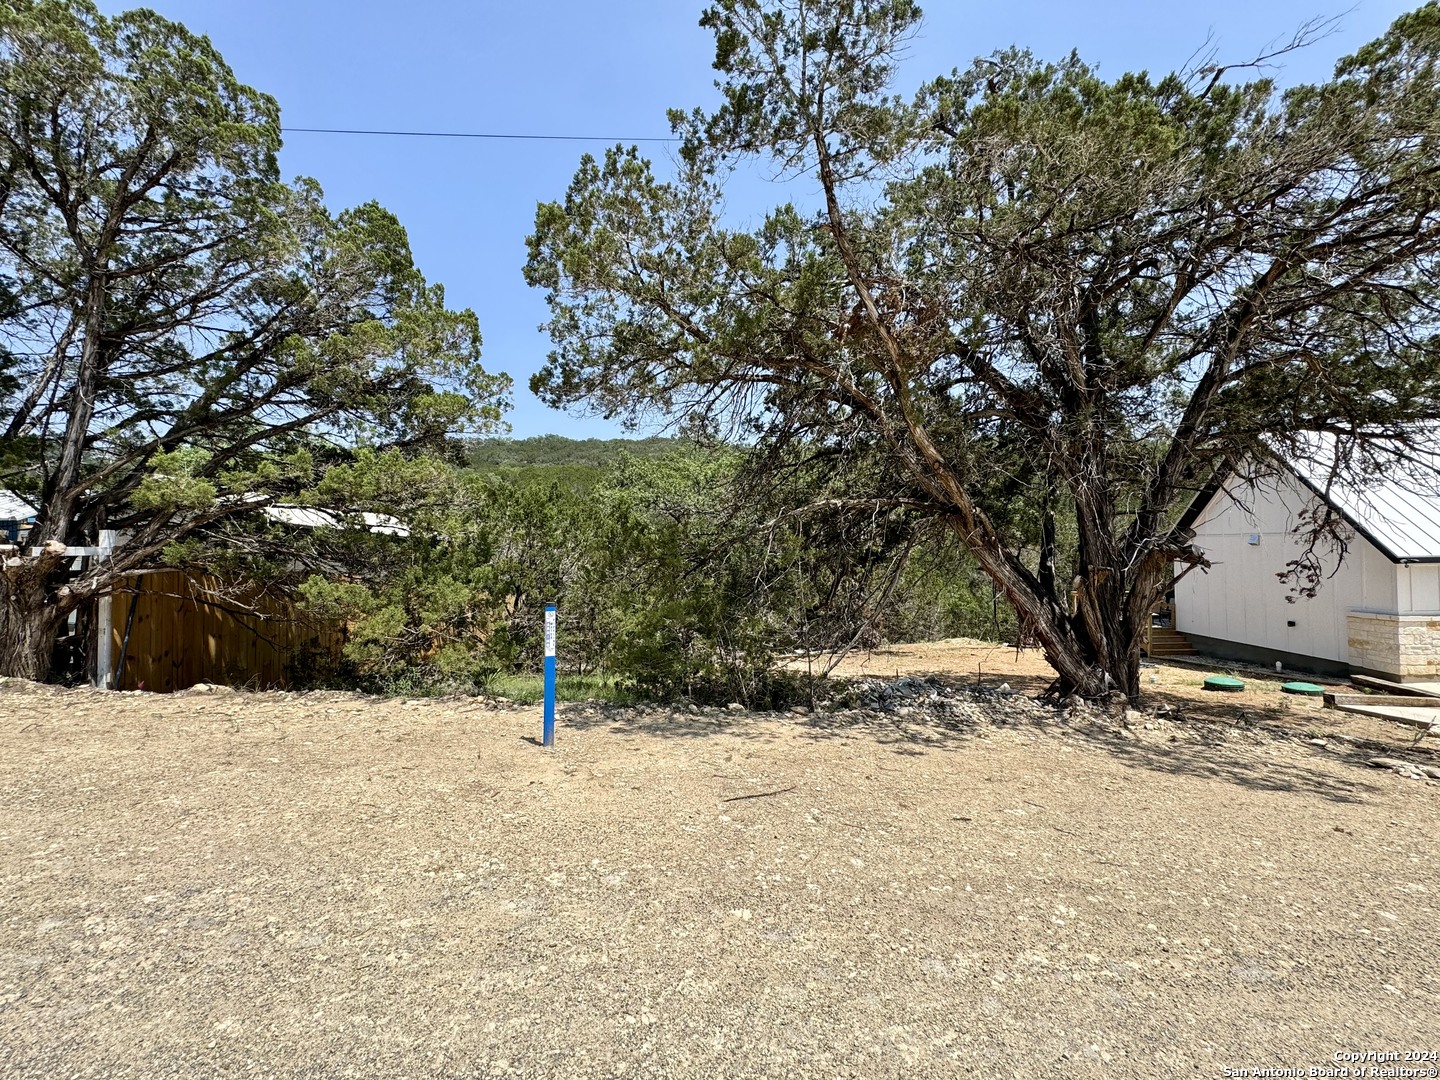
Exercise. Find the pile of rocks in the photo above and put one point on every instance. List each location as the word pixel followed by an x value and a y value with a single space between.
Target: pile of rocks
pixel 1411 770
pixel 929 699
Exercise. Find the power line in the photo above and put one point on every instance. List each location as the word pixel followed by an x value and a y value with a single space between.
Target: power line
pixel 473 135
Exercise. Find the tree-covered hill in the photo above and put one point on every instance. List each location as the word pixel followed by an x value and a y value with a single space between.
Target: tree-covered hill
pixel 558 450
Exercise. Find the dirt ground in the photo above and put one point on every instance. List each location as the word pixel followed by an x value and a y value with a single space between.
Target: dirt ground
pixel 323 885
pixel 1170 685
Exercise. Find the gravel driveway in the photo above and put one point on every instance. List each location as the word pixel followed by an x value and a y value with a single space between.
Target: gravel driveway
pixel 323 885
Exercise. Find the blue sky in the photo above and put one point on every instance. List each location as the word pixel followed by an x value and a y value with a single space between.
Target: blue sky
pixel 611 68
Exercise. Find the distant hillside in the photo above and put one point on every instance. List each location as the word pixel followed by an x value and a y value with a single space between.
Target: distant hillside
pixel 558 450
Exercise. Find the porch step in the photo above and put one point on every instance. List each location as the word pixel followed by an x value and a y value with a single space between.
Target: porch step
pixel 1167 642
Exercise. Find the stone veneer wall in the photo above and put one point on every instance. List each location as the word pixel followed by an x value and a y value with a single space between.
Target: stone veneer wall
pixel 1395 646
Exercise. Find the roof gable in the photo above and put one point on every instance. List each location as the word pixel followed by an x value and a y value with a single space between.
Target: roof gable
pixel 1397 511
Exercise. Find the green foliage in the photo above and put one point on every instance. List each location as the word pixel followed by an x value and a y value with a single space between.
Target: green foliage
pixel 530 689
pixel 559 450
pixel 944 594
pixel 671 581
pixel 693 607
pixel 185 336
pixel 176 483
pixel 1039 307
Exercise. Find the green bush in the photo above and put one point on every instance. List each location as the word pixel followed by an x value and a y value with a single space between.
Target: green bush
pixel 673 575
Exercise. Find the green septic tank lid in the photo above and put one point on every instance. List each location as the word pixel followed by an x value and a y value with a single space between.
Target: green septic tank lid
pixel 1223 682
pixel 1302 688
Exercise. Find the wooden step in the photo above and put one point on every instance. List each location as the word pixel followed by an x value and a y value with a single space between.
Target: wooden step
pixel 1167 642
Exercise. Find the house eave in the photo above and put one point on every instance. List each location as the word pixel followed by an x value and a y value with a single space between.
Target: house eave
pixel 1207 494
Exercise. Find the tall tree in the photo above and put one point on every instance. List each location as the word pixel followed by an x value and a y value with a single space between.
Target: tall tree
pixel 1099 291
pixel 186 336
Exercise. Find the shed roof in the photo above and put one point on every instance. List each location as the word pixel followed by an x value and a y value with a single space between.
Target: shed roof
pixel 14 508
pixel 312 517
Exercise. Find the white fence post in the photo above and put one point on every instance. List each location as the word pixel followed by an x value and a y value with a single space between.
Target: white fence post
pixel 104 647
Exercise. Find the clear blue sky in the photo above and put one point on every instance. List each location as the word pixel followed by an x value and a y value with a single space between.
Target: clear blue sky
pixel 611 68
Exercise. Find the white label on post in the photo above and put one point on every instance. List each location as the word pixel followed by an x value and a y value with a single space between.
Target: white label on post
pixel 550 632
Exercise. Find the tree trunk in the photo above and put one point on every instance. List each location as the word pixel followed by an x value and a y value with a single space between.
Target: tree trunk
pixel 29 615
pixel 1107 630
pixel 1095 650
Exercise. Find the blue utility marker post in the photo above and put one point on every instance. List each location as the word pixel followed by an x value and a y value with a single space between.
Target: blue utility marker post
pixel 549 738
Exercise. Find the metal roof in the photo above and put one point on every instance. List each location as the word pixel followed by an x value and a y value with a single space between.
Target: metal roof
pixel 313 518
pixel 1395 504
pixel 14 508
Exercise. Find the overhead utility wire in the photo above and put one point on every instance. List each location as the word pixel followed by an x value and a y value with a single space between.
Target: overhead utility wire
pixel 473 135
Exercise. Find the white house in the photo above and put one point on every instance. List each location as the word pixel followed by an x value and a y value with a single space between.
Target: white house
pixel 1378 611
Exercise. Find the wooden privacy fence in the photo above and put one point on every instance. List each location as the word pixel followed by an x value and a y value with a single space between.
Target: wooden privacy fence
pixel 190 629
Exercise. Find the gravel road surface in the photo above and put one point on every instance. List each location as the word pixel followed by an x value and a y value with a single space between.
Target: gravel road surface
pixel 323 885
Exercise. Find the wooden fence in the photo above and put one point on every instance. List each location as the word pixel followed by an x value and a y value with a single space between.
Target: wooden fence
pixel 192 629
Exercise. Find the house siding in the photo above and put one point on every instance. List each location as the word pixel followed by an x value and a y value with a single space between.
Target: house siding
pixel 1419 585
pixel 1240 599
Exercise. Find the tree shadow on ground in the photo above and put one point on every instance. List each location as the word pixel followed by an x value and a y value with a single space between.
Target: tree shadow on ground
pixel 1246 752
pixel 1236 759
